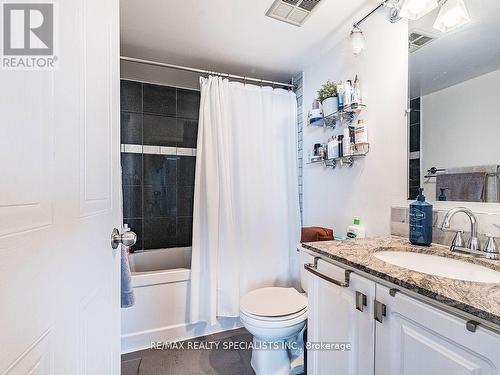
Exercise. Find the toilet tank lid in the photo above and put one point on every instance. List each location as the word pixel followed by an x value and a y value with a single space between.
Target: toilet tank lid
pixel 273 301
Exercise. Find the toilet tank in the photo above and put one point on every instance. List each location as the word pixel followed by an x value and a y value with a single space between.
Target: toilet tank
pixel 305 257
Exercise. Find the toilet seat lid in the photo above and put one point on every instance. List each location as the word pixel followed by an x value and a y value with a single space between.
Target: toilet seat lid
pixel 273 301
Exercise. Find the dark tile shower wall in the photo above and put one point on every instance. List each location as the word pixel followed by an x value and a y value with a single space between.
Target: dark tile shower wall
pixel 414 160
pixel 158 188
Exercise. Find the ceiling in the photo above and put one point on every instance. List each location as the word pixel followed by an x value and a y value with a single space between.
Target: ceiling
pixel 231 36
pixel 457 56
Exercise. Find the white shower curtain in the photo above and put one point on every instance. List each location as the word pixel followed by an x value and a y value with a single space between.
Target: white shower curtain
pixel 246 211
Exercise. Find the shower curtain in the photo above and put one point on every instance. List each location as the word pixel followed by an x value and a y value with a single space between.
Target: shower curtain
pixel 246 210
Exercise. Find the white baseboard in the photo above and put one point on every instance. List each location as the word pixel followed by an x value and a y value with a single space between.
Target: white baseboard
pixel 142 340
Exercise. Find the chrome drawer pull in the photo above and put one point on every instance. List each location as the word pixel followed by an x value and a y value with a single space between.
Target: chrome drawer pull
pixel 313 268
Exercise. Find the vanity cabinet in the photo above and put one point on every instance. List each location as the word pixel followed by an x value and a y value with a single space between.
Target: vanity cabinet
pixel 393 335
pixel 416 338
pixel 335 319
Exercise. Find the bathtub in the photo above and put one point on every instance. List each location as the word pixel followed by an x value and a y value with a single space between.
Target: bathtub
pixel 160 279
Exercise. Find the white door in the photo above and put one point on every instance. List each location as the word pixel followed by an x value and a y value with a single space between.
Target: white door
pixel 414 338
pixel 334 317
pixel 60 200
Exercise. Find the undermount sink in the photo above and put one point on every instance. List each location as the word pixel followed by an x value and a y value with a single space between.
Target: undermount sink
pixel 440 266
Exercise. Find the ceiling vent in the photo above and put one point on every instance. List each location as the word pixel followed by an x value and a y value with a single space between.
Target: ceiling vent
pixel 417 40
pixel 294 12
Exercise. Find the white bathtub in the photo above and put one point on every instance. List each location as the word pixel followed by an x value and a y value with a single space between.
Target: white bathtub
pixel 160 279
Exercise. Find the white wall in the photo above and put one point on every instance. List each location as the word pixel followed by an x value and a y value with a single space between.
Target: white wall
pixel 159 75
pixel 333 197
pixel 460 126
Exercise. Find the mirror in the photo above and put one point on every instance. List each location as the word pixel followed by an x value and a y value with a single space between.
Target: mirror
pixel 454 119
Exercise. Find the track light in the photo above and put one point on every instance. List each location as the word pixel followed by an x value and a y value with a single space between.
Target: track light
pixel 358 43
pixel 452 15
pixel 415 9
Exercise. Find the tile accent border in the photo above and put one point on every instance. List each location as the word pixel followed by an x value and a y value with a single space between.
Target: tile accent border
pixel 158 150
pixel 298 82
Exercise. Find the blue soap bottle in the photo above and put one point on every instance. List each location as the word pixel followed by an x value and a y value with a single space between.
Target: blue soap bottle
pixel 420 218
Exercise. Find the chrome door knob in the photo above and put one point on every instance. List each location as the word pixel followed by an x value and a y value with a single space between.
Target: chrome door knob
pixel 127 238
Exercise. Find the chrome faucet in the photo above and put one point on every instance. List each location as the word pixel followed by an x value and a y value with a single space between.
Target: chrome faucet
pixel 473 245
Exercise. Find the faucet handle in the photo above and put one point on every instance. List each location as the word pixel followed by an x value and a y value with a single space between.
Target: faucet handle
pixel 491 247
pixel 458 240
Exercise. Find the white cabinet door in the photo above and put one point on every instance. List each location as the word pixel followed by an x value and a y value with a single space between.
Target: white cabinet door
pixel 333 318
pixel 415 338
pixel 60 194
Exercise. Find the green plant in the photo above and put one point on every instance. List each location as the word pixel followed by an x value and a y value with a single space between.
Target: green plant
pixel 328 90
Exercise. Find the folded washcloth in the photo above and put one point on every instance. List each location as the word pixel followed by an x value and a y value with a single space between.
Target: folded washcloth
pixel 127 293
pixel 313 234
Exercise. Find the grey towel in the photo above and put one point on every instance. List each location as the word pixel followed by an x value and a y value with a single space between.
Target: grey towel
pixel 462 187
pixel 127 293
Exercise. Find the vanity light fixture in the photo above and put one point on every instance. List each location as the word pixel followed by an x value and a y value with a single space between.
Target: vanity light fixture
pixel 452 15
pixel 358 43
pixel 415 9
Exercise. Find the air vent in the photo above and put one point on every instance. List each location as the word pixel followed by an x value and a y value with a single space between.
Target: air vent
pixel 294 12
pixel 417 40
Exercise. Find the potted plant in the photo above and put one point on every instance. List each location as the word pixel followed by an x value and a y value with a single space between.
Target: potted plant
pixel 327 95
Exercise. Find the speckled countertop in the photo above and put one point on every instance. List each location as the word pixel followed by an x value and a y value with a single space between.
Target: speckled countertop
pixel 478 299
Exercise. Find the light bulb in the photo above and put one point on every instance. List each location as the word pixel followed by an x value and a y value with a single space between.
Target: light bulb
pixel 452 15
pixel 415 9
pixel 358 42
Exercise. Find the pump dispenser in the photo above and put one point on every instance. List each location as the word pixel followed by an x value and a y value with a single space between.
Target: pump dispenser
pixel 420 221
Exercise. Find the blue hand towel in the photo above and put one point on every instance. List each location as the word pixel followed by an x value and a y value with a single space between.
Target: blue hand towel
pixel 127 293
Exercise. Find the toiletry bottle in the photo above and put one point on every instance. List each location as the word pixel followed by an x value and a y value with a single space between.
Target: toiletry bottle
pixel 347 94
pixel 352 140
pixel 356 93
pixel 356 230
pixel 442 195
pixel 340 96
pixel 335 148
pixel 316 113
pixel 346 149
pixel 361 132
pixel 331 148
pixel 420 216
pixel 316 149
pixel 340 140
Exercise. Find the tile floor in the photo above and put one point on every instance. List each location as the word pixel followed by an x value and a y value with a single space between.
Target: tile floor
pixel 193 362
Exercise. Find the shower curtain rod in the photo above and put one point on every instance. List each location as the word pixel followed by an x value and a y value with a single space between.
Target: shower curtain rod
pixel 201 71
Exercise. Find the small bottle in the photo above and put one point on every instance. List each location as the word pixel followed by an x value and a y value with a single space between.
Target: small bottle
pixel 361 132
pixel 340 96
pixel 332 148
pixel 442 195
pixel 346 149
pixel 348 94
pixel 340 140
pixel 356 93
pixel 356 230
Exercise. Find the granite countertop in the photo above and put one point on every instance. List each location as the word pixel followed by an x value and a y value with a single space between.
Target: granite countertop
pixel 478 299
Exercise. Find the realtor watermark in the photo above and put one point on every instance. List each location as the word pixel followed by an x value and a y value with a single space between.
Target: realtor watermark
pixel 29 31
pixel 251 345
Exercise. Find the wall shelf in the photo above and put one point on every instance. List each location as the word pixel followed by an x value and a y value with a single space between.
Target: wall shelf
pixel 362 150
pixel 346 115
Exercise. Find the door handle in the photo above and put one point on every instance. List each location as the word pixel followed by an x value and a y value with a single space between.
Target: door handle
pixel 379 311
pixel 361 301
pixel 126 238
pixel 313 268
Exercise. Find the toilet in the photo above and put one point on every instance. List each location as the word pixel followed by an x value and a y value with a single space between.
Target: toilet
pixel 274 316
